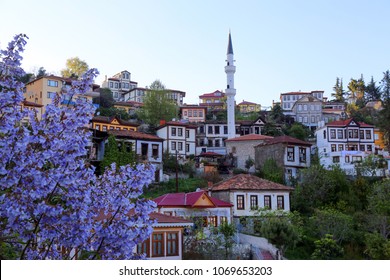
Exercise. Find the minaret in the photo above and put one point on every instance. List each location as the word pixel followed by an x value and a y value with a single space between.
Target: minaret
pixel 230 92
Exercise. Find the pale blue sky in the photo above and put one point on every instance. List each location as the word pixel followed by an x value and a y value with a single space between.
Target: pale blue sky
pixel 279 46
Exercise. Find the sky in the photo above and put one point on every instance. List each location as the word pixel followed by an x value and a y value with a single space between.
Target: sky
pixel 279 46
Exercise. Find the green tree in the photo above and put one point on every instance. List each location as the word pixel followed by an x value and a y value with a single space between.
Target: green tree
pixel 157 105
pixel 271 171
pixel 327 249
pixel 385 85
pixel 118 152
pixel 105 99
pixel 227 231
pixel 249 163
pixel 112 112
pixel 377 247
pixel 278 228
pixel 75 67
pixel 41 72
pixel 373 92
pixel 339 92
pixel 299 131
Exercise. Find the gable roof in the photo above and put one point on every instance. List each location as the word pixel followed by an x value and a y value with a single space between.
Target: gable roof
pixel 250 183
pixel 286 140
pixel 249 137
pixel 175 123
pixel 109 120
pixel 347 122
pixel 189 200
pixel 217 94
pixel 169 221
pixel 246 103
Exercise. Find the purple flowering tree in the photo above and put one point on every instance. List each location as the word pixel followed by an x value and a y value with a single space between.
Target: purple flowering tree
pixel 52 206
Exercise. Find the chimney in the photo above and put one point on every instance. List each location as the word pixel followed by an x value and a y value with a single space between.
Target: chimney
pixel 162 122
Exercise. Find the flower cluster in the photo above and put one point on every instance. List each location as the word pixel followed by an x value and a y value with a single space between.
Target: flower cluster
pixel 52 205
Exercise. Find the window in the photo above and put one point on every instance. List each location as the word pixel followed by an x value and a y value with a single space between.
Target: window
pixel 225 129
pixel 190 113
pixel 185 113
pixel 201 114
pixel 173 131
pixel 201 129
pixel 333 134
pixel 216 129
pixel 187 133
pixel 336 159
pixel 223 219
pixel 369 148
pixel 143 248
pixel 290 153
pixel 213 221
pixel 187 148
pixel 180 146
pixel 217 143
pixel 104 128
pixel 346 159
pixel 155 150
pixel 339 134
pixel 254 202
pixel 240 202
pixel 173 146
pixel 341 147
pixel 210 129
pixel 324 134
pixel 361 132
pixel 158 245
pixel 280 201
pixel 172 244
pixel 97 126
pixel 362 148
pixel 111 128
pixel 368 134
pixel 333 147
pixel 51 94
pixel 267 202
pixel 302 154
pixel 195 113
pixel 180 132
pixel 356 159
pixel 52 83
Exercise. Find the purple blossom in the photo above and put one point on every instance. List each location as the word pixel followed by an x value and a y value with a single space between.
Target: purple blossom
pixel 50 197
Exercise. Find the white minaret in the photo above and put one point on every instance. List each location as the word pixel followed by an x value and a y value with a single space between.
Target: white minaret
pixel 230 92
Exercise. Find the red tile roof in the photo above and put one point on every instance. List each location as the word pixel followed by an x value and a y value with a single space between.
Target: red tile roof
pixel 187 200
pixel 248 182
pixel 215 94
pixel 175 123
pixel 165 219
pixel 32 104
pixel 285 139
pixel 135 135
pixel 246 103
pixel 249 137
pixel 343 123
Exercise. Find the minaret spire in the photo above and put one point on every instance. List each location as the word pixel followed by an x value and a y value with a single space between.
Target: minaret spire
pixel 230 92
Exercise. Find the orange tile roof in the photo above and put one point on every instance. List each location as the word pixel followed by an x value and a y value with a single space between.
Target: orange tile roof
pixel 343 123
pixel 285 139
pixel 250 183
pixel 249 137
pixel 135 135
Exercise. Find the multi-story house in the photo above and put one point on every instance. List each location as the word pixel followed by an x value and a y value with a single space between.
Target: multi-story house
pixel 252 127
pixel 289 153
pixel 242 148
pixel 308 111
pixel 103 123
pixel 333 111
pixel 211 137
pixel 288 99
pixel 193 113
pixel 248 193
pixel 179 138
pixel 32 106
pixel 344 143
pixel 213 101
pixel 138 94
pixel 148 148
pixel 119 84
pixel 42 90
pixel 248 107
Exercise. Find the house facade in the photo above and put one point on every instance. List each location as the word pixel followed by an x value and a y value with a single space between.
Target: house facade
pixel 344 143
pixel 179 138
pixel 203 209
pixel 308 111
pixel 130 107
pixel 138 94
pixel 148 148
pixel 103 123
pixel 166 241
pixel 248 107
pixel 289 153
pixel 242 148
pixel 213 101
pixel 193 113
pixel 249 193
pixel 119 84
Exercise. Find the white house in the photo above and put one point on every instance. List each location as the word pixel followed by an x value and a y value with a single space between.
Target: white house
pixel 138 94
pixel 119 84
pixel 248 193
pixel 179 138
pixel 344 143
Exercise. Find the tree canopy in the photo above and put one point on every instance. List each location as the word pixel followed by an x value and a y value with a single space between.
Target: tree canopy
pixel 75 68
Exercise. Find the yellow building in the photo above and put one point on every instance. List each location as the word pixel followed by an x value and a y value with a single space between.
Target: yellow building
pixel 112 123
pixel 249 107
pixel 42 90
pixel 378 137
pixel 214 100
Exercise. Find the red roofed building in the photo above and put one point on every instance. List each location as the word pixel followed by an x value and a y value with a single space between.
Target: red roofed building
pixel 214 100
pixel 248 107
pixel 345 142
pixel 204 209
pixel 248 193
pixel 289 153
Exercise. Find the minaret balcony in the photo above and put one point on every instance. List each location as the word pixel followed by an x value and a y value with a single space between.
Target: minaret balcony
pixel 230 68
